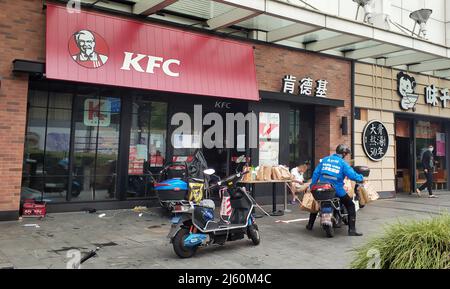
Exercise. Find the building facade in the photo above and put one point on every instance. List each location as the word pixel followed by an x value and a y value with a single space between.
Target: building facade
pixel 80 130
pixel 415 111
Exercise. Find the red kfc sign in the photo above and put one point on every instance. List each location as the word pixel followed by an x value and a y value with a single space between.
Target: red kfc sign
pixel 102 49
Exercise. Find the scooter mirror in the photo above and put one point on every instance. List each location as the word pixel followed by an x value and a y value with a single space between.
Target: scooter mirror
pixel 209 172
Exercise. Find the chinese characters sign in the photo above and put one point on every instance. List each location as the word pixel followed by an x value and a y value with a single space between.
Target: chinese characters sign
pixel 375 140
pixel 434 96
pixel 305 86
pixel 406 86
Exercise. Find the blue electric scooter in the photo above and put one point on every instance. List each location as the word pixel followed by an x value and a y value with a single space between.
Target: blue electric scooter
pixel 197 226
pixel 178 178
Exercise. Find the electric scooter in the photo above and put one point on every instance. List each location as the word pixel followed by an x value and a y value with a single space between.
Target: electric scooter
pixel 332 213
pixel 197 226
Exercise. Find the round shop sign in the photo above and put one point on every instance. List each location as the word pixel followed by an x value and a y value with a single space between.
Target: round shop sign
pixel 375 140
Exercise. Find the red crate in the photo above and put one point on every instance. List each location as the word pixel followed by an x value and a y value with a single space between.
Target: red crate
pixel 31 208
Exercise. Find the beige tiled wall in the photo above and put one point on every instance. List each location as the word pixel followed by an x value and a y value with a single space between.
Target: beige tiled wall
pixel 376 91
pixel 382 175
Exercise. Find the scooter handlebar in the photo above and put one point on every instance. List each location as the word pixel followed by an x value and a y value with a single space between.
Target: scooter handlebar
pixel 228 179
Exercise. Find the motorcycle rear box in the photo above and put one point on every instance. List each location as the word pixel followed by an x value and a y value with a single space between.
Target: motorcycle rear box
pixel 363 170
pixel 322 192
pixel 172 190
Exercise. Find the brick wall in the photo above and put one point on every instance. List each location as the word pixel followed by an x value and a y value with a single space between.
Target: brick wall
pixel 21 37
pixel 272 63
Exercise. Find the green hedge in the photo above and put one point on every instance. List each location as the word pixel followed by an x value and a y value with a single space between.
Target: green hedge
pixel 421 244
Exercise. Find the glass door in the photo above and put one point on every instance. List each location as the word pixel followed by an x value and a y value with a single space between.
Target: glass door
pixel 96 144
pixel 301 138
pixel 404 157
pixel 147 152
pixel 431 133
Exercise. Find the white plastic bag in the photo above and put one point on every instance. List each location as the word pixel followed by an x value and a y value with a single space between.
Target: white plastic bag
pixel 356 204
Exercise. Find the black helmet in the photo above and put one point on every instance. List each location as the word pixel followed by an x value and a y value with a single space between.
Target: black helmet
pixel 343 149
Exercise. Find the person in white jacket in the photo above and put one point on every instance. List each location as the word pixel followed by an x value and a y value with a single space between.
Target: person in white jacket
pixel 298 184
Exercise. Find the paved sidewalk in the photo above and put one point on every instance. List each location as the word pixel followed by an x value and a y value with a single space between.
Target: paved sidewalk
pixel 129 241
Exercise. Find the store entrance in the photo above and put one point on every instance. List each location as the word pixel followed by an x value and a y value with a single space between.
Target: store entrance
pixel 404 160
pixel 413 137
pixel 221 155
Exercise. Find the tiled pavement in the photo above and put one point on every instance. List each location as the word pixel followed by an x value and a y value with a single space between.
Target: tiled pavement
pixel 129 241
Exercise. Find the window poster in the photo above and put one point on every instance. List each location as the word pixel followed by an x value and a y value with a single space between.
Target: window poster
pixel 135 165
pixel 269 136
pixel 440 144
pixel 97 112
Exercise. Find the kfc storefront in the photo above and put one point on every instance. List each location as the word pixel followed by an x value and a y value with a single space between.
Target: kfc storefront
pixel 95 102
pixel 102 116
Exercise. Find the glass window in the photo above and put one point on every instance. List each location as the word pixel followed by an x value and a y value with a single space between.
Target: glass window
pixel 147 144
pixel 431 133
pixel 301 142
pixel 47 146
pixel 96 146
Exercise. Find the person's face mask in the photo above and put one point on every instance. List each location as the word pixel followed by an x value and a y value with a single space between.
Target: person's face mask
pixel 431 149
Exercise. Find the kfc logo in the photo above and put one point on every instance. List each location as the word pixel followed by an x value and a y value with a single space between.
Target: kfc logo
pixel 88 49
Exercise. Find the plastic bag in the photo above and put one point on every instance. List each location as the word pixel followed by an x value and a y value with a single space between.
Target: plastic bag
pixel 349 187
pixel 195 192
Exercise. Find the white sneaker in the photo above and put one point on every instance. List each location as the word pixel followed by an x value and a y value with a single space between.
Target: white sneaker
pixel 418 192
pixel 432 196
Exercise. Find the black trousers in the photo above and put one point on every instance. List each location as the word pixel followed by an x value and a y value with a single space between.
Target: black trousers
pixel 349 205
pixel 429 183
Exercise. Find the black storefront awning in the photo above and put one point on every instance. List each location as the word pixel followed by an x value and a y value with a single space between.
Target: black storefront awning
pixel 286 97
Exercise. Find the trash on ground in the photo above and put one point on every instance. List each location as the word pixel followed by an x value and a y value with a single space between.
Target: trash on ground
pixel 101 215
pixel 89 210
pixel 89 255
pixel 140 209
pixel 32 225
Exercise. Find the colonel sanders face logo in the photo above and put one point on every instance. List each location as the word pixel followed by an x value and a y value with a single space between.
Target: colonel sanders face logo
pixel 88 49
pixel 406 86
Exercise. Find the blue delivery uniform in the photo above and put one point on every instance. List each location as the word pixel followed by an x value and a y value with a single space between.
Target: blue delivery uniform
pixel 333 169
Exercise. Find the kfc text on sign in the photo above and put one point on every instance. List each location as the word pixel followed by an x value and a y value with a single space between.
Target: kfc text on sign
pixel 153 62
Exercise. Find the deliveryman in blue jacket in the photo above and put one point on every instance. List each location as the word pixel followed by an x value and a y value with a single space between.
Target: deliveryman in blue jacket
pixel 333 170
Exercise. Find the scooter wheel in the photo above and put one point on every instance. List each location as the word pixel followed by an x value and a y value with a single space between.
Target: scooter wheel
pixel 253 234
pixel 328 230
pixel 178 244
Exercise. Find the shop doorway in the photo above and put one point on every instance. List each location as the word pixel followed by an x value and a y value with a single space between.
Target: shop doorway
pixel 404 157
pixel 413 136
pixel 301 138
pixel 222 156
